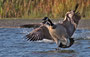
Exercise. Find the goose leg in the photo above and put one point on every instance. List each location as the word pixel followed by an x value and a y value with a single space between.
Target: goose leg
pixel 58 43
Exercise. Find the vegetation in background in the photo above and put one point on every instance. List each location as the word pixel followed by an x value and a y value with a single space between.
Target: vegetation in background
pixel 40 8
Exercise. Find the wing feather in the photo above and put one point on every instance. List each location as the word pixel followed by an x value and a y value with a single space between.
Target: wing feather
pixel 32 25
pixel 39 34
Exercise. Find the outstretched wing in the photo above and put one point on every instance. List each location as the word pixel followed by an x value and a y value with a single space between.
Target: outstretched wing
pixel 39 34
pixel 32 25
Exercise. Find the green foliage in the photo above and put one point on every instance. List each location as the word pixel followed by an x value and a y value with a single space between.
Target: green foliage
pixel 40 8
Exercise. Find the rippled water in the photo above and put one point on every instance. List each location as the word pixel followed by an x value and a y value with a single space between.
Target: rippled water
pixel 14 44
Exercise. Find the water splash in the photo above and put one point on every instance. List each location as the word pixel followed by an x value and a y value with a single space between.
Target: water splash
pixel 81 34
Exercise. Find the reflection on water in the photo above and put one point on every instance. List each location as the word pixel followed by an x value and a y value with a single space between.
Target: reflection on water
pixel 55 51
pixel 13 44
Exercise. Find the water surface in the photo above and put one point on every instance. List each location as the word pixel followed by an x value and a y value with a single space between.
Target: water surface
pixel 14 44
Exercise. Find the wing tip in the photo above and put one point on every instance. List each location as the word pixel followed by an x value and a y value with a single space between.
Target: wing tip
pixel 33 37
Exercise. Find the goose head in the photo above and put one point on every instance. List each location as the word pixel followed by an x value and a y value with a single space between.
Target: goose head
pixel 44 20
pixel 47 21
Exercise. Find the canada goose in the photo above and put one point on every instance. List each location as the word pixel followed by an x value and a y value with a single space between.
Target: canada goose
pixel 60 32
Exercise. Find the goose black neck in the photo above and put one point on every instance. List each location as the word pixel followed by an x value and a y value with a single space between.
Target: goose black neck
pixel 50 22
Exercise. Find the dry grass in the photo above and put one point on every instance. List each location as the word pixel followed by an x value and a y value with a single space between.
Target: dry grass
pixel 40 8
